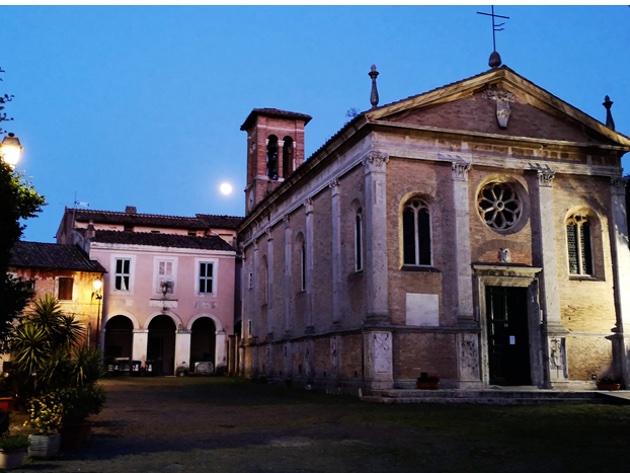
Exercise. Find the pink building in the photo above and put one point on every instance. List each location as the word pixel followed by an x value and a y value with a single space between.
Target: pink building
pixel 168 294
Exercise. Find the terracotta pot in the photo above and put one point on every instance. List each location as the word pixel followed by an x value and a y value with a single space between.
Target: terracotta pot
pixel 608 386
pixel 44 446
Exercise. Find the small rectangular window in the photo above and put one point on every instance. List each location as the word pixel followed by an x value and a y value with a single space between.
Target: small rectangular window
pixel 64 292
pixel 122 274
pixel 206 277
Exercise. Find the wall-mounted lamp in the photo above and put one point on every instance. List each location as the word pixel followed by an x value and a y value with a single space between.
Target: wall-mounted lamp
pixel 11 150
pixel 97 284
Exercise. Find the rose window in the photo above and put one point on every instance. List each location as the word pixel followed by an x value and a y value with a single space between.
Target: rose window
pixel 499 205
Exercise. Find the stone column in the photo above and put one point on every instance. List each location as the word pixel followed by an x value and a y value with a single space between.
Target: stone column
pixel 288 281
pixel 139 346
pixel 220 350
pixel 618 229
pixel 308 208
pixel 182 348
pixel 376 238
pixel 337 280
pixel 554 337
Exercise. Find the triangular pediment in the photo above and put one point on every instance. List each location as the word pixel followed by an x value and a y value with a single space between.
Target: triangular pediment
pixel 498 102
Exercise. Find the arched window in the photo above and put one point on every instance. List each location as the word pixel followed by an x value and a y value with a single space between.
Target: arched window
pixel 303 266
pixel 272 157
pixel 264 281
pixel 416 225
pixel 287 157
pixel 579 246
pixel 358 241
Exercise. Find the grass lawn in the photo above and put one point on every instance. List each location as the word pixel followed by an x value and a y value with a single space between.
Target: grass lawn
pixel 284 429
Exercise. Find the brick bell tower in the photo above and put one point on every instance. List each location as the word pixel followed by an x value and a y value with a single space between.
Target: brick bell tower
pixel 275 148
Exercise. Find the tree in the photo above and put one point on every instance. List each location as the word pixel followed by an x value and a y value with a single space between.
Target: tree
pixel 18 201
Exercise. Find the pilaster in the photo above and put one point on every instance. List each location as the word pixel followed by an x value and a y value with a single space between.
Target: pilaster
pixel 376 238
pixel 554 338
pixel 308 208
pixel 338 289
pixel 461 203
pixel 288 281
pixel 270 283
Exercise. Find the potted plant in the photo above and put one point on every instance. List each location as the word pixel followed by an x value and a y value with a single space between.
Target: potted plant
pixel 12 451
pixel 608 383
pixel 79 403
pixel 45 417
pixel 426 381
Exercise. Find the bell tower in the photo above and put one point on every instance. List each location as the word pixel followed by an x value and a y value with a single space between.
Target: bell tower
pixel 275 148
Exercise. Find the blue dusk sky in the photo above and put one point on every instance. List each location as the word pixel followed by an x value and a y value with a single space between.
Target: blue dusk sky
pixel 142 105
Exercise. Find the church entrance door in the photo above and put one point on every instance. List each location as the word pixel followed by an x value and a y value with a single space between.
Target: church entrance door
pixel 508 336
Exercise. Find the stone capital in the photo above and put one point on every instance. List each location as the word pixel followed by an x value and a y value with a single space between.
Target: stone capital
pixel 460 170
pixel 375 162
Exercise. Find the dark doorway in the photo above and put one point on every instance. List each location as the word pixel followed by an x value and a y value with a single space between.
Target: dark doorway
pixel 508 336
pixel 118 339
pixel 161 345
pixel 203 341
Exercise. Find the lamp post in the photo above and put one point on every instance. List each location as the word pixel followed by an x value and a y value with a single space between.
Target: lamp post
pixel 98 295
pixel 11 150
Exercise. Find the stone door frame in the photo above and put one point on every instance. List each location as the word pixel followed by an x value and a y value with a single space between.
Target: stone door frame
pixel 486 275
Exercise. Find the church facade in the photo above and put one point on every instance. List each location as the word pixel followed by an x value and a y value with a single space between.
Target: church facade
pixel 476 232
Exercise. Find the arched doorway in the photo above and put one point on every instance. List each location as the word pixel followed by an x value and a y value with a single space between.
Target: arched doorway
pixel 161 345
pixel 203 341
pixel 118 340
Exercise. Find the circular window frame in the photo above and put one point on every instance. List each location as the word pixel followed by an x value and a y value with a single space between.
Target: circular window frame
pixel 502 205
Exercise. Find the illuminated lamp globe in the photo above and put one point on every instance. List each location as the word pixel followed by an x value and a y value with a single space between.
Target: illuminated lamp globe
pixel 11 150
pixel 98 284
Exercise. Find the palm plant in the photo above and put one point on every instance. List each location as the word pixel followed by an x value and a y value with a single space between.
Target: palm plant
pixel 48 354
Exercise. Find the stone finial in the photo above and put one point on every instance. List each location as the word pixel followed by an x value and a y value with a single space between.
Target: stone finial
pixel 610 123
pixel 374 95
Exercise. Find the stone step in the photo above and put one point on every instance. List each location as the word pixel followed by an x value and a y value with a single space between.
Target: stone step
pixel 489 396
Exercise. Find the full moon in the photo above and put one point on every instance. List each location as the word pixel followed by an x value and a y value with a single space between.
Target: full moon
pixel 225 188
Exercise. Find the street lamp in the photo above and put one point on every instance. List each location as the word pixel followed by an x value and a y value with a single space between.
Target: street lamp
pixel 11 150
pixel 98 295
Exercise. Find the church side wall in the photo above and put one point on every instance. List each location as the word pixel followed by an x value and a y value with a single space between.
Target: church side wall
pixel 587 307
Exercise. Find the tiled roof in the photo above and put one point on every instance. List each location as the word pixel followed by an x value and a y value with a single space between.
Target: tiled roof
pixel 153 220
pixel 273 112
pixel 29 254
pixel 163 240
pixel 221 221
pixel 124 218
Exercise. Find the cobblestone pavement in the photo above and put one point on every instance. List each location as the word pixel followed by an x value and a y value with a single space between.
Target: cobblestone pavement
pixel 207 425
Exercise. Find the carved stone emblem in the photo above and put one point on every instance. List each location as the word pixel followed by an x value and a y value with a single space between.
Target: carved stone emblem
pixel 505 256
pixel 502 99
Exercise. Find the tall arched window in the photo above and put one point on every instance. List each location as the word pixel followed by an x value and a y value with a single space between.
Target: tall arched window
pixel 303 266
pixel 416 226
pixel 579 246
pixel 287 157
pixel 272 157
pixel 264 281
pixel 358 241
